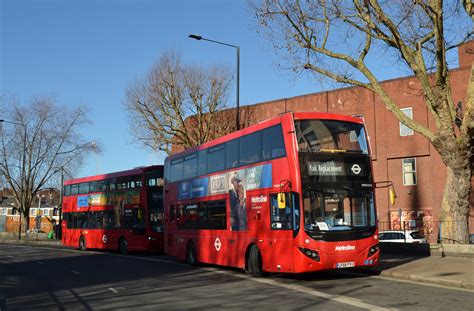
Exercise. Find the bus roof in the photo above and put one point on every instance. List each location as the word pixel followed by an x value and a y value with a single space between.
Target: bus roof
pixel 267 123
pixel 135 171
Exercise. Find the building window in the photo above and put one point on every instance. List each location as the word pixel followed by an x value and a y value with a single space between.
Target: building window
pixel 3 211
pixel 409 171
pixel 405 130
pixel 32 212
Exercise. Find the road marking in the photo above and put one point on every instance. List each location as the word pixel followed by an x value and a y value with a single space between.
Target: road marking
pixel 113 290
pixel 75 272
pixel 41 263
pixel 152 259
pixel 338 298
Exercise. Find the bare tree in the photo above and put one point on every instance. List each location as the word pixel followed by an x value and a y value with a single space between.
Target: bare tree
pixel 178 106
pixel 339 40
pixel 38 140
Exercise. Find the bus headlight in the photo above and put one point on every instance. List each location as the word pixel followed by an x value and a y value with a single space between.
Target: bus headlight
pixel 374 249
pixel 151 238
pixel 310 253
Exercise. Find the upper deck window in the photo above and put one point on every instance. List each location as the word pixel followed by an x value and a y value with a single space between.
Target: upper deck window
pixel 154 178
pixel 67 190
pixel 263 145
pixel 331 136
pixel 190 166
pixel 202 162
pixel 84 188
pixel 273 145
pixel 74 189
pixel 216 158
pixel 232 153
pixel 250 148
pixel 177 169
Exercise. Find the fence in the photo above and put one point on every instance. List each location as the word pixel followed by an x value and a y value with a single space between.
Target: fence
pixel 431 230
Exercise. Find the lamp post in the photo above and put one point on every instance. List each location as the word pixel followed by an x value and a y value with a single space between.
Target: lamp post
pixel 198 37
pixel 59 230
pixel 23 173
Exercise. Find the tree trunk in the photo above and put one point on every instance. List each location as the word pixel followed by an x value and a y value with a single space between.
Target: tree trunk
pixel 25 221
pixel 455 207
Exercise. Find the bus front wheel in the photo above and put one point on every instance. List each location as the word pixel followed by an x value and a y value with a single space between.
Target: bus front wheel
pixel 82 243
pixel 255 261
pixel 123 246
pixel 191 254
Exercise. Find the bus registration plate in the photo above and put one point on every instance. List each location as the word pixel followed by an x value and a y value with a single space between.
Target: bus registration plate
pixel 348 264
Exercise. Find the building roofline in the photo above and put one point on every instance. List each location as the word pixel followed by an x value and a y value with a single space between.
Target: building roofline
pixel 343 88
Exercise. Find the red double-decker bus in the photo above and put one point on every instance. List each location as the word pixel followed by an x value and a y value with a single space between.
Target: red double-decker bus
pixel 291 194
pixel 118 211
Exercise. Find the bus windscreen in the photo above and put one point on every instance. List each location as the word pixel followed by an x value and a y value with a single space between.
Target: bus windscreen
pixel 330 136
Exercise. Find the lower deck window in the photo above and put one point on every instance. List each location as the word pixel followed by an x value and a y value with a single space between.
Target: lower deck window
pixel 202 215
pixel 131 219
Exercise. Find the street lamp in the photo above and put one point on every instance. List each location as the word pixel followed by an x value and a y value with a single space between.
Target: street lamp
pixel 198 37
pixel 23 172
pixel 59 227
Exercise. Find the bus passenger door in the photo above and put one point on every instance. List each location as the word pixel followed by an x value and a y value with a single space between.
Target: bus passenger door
pixel 135 224
pixel 284 225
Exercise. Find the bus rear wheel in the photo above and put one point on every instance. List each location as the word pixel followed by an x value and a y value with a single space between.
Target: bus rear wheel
pixel 255 261
pixel 123 246
pixel 82 243
pixel 191 255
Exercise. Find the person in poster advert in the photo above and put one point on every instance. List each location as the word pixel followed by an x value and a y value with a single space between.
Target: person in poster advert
pixel 238 215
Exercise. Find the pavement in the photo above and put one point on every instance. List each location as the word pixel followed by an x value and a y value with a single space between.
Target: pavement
pixel 435 269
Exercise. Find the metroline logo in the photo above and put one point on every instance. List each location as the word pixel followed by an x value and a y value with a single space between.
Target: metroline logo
pixel 345 248
pixel 259 199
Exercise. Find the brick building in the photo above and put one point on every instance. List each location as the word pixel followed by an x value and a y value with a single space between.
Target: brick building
pixel 399 154
pixel 41 215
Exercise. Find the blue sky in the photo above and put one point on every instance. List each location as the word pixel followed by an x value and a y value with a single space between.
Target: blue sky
pixel 87 52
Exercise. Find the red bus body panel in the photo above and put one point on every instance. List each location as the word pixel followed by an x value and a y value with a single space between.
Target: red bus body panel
pixel 279 248
pixel 109 238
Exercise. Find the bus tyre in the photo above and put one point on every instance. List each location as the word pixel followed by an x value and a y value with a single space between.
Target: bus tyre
pixel 123 246
pixel 82 243
pixel 255 261
pixel 191 255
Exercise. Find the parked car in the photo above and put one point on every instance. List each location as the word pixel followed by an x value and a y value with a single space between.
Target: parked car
pixel 407 236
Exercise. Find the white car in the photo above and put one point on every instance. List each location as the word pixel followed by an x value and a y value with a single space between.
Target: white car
pixel 407 236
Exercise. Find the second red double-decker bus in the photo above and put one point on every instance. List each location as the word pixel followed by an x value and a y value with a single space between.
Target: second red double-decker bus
pixel 291 194
pixel 118 211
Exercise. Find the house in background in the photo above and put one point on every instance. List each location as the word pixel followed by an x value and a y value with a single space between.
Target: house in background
pixel 43 212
